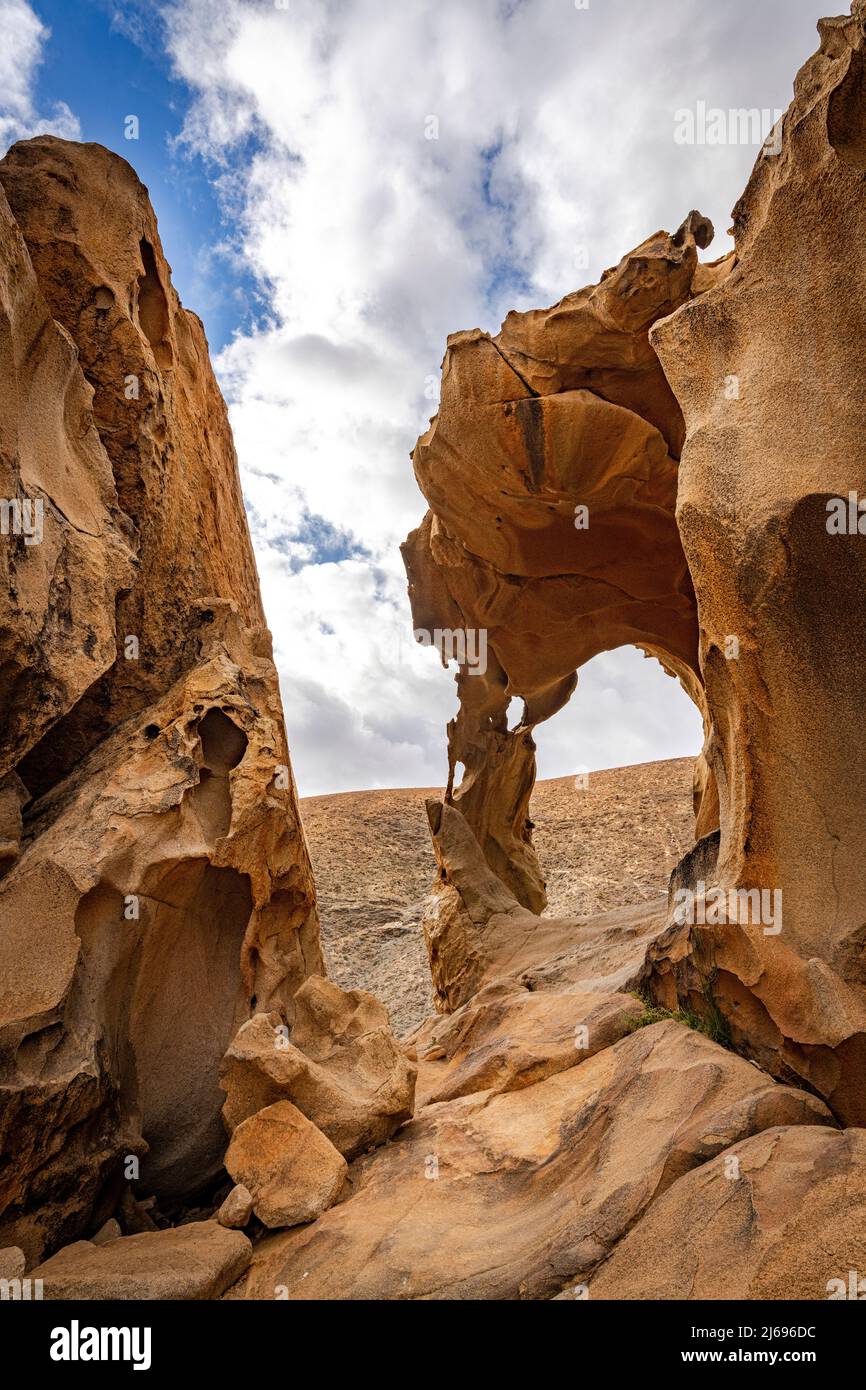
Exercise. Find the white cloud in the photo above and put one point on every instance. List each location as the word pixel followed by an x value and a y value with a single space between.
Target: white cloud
pixel 23 39
pixel 372 242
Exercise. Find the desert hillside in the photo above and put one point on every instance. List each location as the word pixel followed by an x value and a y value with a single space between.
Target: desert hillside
pixel 612 844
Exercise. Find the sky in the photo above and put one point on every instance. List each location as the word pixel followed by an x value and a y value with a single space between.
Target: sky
pixel 340 184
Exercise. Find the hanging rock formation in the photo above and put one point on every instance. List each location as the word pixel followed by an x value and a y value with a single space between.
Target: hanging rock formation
pixel 706 423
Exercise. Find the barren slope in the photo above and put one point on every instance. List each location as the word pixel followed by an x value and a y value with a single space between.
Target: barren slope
pixel 607 846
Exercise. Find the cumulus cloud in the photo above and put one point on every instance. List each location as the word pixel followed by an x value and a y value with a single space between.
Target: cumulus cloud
pixel 24 37
pixel 394 172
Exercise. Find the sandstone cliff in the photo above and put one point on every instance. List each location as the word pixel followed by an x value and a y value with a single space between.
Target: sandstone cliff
pixel 157 887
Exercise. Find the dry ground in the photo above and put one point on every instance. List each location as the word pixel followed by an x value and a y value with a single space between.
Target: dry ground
pixel 609 845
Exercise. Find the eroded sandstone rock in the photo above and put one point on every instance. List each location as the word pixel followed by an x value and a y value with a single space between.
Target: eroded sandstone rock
pixel 157 887
pixel 551 474
pixel 198 1261
pixel 768 367
pixel 290 1169
pixel 788 1221
pixel 515 1195
pixel 508 1037
pixel 237 1208
pixel 339 1064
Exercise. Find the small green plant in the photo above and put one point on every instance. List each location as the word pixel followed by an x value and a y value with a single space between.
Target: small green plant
pixel 712 1023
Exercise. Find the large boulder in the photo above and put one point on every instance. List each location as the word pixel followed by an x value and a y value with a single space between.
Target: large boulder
pixel 290 1169
pixel 193 1262
pixel 339 1064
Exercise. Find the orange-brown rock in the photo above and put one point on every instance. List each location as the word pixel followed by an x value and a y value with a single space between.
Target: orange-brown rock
pixel 781 1215
pixel 291 1170
pixel 92 238
pixel 551 474
pixel 157 887
pixel 338 1063
pixel 477 933
pixel 508 1037
pixel 769 369
pixel 66 548
pixel 517 1195
pixel 194 1262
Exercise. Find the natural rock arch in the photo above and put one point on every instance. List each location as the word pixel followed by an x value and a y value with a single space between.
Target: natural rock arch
pixel 551 472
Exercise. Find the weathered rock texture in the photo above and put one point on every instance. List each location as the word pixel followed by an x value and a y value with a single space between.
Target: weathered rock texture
pixel 157 887
pixel 758 469
pixel 787 1222
pixel 565 408
pixel 705 416
pixel 341 1067
pixel 519 1194
pixel 193 1262
pixel 291 1170
pixel 551 473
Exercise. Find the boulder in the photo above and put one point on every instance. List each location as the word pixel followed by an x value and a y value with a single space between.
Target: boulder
pixel 290 1169
pixel 198 1261
pixel 237 1208
pixel 339 1064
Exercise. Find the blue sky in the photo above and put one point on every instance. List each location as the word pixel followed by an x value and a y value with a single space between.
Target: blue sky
pixel 93 64
pixel 330 245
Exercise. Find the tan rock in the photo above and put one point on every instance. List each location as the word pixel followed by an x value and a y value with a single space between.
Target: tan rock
pixel 109 1231
pixel 566 409
pixel 12 1262
pixel 192 1262
pixel 93 240
pixel 517 1195
pixel 237 1208
pixel 158 888
pixel 291 1170
pixel 340 1066
pixel 67 555
pixel 791 1225
pixel 509 1037
pixel 477 932
pixel 768 368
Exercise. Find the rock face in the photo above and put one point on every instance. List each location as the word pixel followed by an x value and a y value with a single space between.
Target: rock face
pixel 476 1197
pixel 775 568
pixel 779 1216
pixel 551 474
pixel 673 458
pixel 156 887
